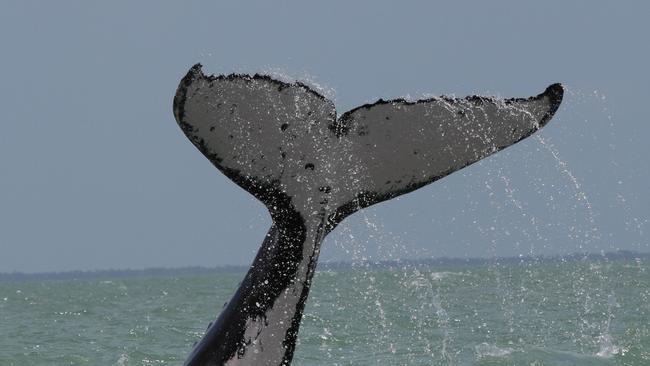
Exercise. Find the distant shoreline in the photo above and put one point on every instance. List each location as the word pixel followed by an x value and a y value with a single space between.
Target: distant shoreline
pixel 442 261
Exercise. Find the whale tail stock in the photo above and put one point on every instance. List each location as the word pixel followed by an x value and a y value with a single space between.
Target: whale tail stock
pixel 284 143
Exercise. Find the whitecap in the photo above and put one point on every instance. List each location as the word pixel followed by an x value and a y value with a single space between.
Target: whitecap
pixel 123 360
pixel 607 347
pixel 491 350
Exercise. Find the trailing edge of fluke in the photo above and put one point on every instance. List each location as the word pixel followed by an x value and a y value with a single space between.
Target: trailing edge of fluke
pixel 284 143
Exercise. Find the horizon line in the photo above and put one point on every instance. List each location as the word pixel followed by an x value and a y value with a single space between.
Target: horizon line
pixel 329 265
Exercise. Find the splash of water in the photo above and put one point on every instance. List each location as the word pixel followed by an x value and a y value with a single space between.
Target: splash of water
pixel 490 350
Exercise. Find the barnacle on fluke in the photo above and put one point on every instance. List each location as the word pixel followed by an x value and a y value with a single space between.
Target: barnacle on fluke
pixel 327 168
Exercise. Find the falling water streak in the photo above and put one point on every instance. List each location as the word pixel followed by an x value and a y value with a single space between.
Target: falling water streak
pixel 372 294
pixel 430 305
pixel 592 275
pixel 430 300
pixel 443 322
pixel 565 170
pixel 377 232
pixel 507 301
pixel 599 100
pixel 607 346
pixel 383 320
pixel 510 194
pixel 503 288
pixel 563 167
pixel 603 340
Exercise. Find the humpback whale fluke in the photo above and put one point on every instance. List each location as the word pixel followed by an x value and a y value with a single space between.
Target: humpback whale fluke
pixel 283 143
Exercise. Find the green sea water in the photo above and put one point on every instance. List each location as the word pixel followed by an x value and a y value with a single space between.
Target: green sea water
pixel 578 313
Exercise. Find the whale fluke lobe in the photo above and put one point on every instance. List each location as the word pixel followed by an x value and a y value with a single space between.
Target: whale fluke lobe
pixel 284 143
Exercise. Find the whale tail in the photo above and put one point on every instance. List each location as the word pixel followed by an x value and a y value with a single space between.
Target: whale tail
pixel 284 143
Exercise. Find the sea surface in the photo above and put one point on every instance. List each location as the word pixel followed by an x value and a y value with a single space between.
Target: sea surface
pixel 586 312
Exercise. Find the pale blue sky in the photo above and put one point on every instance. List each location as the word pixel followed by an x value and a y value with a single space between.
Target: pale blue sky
pixel 95 173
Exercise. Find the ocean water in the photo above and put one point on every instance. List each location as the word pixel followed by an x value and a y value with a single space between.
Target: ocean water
pixel 573 313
